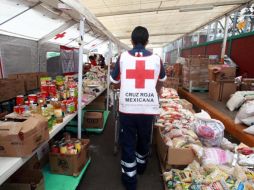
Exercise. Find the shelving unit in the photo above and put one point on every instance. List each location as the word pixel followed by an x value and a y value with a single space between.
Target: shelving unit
pixel 10 165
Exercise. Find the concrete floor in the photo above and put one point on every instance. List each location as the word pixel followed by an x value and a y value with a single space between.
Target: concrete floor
pixel 104 170
pixel 218 105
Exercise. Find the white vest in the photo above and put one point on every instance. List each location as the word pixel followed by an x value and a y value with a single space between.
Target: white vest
pixel 139 77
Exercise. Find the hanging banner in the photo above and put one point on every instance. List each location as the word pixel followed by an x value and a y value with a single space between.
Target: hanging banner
pixel 69 60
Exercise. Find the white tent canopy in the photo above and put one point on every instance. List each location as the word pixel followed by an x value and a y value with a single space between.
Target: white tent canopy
pixel 166 20
pixel 43 20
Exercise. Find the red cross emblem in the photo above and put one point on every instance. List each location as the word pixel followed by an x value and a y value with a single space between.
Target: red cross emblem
pixel 60 35
pixel 140 74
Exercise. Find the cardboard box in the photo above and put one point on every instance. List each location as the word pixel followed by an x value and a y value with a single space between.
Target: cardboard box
pixel 13 76
pixel 20 139
pixel 221 72
pixel 247 84
pixel 25 180
pixel 19 87
pixel 93 120
pixel 10 88
pixel 69 164
pixel 172 82
pixel 30 80
pixel 7 90
pixel 221 91
pixel 173 156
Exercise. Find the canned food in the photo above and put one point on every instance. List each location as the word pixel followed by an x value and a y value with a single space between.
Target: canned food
pixel 19 109
pixel 52 90
pixel 63 148
pixel 70 107
pixel 44 88
pixel 77 145
pixel 55 149
pixel 20 100
pixel 69 145
pixel 32 98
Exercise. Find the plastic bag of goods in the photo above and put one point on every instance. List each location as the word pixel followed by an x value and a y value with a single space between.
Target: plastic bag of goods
pixel 246 111
pixel 209 131
pixel 217 156
pixel 235 101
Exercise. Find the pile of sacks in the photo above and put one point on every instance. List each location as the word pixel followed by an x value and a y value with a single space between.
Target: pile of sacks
pixel 245 101
pixel 175 121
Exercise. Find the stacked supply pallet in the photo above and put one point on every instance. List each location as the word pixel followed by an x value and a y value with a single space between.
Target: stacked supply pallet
pixel 174 76
pixel 195 73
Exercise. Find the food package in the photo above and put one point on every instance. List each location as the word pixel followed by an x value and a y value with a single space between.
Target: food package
pixel 246 160
pixel 235 101
pixel 239 173
pixel 217 156
pixel 210 132
pixel 249 130
pixel 168 93
pixel 227 145
pixel 247 110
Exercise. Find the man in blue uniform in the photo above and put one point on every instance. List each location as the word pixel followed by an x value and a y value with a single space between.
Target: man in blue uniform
pixel 138 72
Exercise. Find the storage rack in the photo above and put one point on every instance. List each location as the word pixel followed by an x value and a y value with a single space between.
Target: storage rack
pixel 10 165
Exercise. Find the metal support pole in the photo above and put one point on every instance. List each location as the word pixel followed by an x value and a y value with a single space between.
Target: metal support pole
pixel 225 39
pixel 215 30
pixel 235 22
pixel 80 72
pixel 108 79
pixel 208 33
pixel 38 57
pixel 178 49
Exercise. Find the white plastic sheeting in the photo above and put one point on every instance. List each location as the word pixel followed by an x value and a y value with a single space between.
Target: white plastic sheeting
pixel 35 19
pixel 165 19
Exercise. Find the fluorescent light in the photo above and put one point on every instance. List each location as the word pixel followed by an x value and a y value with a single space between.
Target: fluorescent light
pixel 196 8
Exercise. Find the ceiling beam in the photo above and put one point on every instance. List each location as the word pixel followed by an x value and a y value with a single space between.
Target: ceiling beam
pixel 138 11
pixel 216 18
pixel 62 28
pixel 153 35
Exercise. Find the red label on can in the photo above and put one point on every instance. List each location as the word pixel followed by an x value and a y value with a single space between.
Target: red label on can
pixel 20 100
pixel 32 98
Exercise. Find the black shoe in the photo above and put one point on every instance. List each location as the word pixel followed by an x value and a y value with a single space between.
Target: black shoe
pixel 129 186
pixel 141 171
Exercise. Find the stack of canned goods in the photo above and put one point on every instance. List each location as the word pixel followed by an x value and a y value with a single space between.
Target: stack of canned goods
pixel 67 145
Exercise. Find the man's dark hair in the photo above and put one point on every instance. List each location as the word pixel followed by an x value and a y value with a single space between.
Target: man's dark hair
pixel 140 35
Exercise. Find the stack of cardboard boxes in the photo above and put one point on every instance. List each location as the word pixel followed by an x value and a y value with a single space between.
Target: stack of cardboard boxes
pixel 195 73
pixel 174 76
pixel 19 84
pixel 10 88
pixel 221 82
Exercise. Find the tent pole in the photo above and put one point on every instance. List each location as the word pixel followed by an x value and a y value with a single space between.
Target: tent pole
pixel 80 72
pixel 223 51
pixel 109 63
